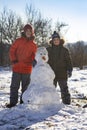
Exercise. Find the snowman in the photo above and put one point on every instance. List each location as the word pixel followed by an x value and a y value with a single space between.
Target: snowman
pixel 41 90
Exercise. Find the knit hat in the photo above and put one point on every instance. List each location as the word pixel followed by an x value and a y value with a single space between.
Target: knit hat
pixel 55 35
pixel 28 26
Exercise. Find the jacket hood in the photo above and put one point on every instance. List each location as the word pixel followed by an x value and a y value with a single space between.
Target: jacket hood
pixel 28 26
pixel 61 42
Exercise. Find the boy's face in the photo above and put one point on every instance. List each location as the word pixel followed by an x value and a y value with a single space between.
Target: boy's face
pixel 56 41
pixel 28 33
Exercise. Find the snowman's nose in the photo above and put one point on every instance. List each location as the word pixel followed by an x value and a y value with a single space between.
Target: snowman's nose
pixel 43 57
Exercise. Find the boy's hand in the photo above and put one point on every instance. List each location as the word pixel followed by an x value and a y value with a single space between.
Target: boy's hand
pixel 69 73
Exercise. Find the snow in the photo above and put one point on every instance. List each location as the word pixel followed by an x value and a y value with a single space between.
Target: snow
pixel 30 117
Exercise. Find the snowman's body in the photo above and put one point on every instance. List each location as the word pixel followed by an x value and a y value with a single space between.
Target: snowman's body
pixel 41 89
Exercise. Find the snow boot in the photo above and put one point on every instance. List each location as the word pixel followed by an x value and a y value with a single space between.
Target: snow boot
pixel 10 105
pixel 85 106
pixel 66 99
pixel 21 101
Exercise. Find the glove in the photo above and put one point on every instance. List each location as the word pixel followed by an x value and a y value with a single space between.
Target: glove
pixel 69 73
pixel 34 63
pixel 14 62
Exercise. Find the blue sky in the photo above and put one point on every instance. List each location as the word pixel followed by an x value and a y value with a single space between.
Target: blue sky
pixel 71 12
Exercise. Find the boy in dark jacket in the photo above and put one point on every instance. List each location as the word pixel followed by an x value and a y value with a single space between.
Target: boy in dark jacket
pixel 60 62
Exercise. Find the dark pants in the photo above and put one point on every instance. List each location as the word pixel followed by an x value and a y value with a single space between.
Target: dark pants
pixel 18 78
pixel 65 95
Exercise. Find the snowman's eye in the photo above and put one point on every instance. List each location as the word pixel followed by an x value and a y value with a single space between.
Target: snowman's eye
pixel 41 53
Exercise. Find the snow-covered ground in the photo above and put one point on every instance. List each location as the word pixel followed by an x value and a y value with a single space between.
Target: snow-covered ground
pixel 30 117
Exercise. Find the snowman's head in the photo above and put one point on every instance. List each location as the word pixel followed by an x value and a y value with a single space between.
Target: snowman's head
pixel 41 55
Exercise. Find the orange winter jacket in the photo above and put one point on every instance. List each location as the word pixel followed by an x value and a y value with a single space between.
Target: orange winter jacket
pixel 22 54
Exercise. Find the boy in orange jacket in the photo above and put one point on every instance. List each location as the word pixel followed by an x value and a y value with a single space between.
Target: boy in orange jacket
pixel 22 54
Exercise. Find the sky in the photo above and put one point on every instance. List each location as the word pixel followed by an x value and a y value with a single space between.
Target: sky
pixel 70 12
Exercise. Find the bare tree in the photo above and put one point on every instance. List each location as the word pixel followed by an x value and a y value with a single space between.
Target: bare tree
pixel 60 27
pixel 85 55
pixel 42 26
pixel 10 25
pixel 78 54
